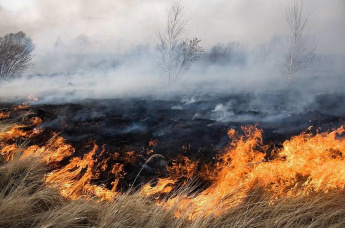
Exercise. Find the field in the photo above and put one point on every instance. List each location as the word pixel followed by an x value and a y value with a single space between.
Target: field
pixel 269 159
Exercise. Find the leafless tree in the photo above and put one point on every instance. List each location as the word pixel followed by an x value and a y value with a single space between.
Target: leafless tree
pixel 15 54
pixel 176 54
pixel 300 53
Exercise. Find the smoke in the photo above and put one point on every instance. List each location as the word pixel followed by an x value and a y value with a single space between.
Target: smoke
pixel 132 22
pixel 107 50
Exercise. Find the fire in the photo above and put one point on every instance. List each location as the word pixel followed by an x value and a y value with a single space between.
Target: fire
pixel 183 167
pixel 7 152
pixel 304 165
pixel 74 180
pixel 162 186
pixel 153 143
pixel 4 115
pixel 54 151
pixel 9 139
pixel 31 99
pixel 14 133
pixel 36 121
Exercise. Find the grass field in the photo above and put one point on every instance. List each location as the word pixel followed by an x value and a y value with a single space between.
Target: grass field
pixel 25 201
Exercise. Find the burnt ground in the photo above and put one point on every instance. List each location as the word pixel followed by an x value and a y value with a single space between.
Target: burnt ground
pixel 192 126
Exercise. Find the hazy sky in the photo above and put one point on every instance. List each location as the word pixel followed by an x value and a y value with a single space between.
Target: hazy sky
pixel 126 23
pixel 81 40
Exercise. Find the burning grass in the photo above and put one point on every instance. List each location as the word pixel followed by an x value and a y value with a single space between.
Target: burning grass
pixel 306 164
pixel 26 201
pixel 301 184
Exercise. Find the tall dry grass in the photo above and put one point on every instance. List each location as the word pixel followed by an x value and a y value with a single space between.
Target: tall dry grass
pixel 25 201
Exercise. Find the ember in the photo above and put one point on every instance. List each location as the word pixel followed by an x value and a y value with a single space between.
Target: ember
pixel 4 115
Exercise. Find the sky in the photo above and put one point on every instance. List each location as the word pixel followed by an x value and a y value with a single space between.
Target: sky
pixel 122 24
pixel 89 48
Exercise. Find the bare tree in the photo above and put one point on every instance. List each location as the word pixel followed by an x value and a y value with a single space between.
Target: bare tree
pixel 15 54
pixel 176 54
pixel 300 53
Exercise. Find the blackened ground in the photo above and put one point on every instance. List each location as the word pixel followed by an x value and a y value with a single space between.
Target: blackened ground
pixel 192 126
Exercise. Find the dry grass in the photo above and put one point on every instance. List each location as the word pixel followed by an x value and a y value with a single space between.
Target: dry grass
pixel 320 210
pixel 25 201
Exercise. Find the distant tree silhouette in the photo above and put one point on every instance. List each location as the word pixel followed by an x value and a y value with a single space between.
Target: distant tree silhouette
pixel 176 54
pixel 298 55
pixel 15 54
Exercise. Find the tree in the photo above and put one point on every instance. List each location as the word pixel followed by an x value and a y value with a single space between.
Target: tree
pixel 15 54
pixel 299 54
pixel 176 54
pixel 221 54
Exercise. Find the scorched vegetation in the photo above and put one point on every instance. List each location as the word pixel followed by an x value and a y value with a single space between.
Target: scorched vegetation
pixel 46 182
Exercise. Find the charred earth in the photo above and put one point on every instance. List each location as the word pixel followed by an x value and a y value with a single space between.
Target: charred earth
pixel 144 136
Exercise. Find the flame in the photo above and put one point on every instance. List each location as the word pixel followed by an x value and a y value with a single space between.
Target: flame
pixel 9 139
pixel 182 167
pixel 36 121
pixel 304 165
pixel 7 152
pixel 153 143
pixel 31 99
pixel 24 106
pixel 54 151
pixel 162 186
pixel 4 115
pixel 14 133
pixel 74 180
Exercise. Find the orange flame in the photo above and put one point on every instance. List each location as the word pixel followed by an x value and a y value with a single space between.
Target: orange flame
pixel 31 99
pixel 162 186
pixel 305 164
pixel 9 138
pixel 36 121
pixel 14 133
pixel 74 180
pixel 182 169
pixel 4 115
pixel 26 104
pixel 54 151
pixel 7 152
